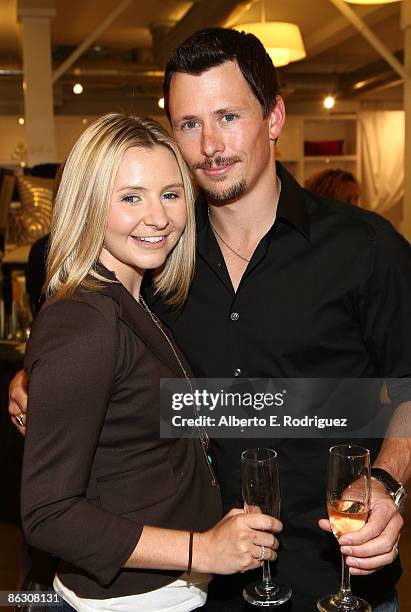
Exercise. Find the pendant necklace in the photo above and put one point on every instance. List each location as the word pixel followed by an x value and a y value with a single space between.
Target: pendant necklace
pixel 223 241
pixel 202 433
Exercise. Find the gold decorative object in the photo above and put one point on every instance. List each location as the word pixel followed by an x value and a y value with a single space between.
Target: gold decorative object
pixel 20 154
pixel 34 216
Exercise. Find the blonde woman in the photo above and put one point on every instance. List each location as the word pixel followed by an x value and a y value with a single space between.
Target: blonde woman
pixel 129 515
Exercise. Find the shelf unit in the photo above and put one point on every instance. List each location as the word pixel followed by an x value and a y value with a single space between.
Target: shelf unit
pixel 301 128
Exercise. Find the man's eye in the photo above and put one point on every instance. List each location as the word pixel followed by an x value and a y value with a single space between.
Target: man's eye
pixel 130 199
pixel 229 117
pixel 189 125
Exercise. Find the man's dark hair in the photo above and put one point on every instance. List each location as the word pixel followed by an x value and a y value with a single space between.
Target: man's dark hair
pixel 215 46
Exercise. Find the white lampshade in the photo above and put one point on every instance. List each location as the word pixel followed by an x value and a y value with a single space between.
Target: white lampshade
pixel 282 40
pixel 371 1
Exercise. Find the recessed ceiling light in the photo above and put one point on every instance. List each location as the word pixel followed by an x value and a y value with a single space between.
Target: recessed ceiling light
pixel 78 88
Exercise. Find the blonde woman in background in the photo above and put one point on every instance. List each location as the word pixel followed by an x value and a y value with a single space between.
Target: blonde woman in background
pixel 134 519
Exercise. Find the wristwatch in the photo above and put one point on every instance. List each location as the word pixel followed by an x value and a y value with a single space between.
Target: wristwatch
pixel 395 489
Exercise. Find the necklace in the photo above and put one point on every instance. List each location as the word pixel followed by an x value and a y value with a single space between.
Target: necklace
pixel 223 241
pixel 202 434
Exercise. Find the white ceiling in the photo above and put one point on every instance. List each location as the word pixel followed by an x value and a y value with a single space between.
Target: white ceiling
pixel 337 56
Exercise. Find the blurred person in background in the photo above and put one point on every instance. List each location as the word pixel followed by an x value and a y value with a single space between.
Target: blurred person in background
pixel 336 184
pixel 36 264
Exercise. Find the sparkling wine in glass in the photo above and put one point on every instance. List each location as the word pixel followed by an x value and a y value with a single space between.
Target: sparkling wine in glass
pixel 348 501
pixel 261 493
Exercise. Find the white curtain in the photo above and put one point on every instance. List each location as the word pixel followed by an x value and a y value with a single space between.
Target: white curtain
pixel 382 155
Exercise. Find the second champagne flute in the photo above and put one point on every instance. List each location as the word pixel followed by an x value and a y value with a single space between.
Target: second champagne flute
pixel 261 493
pixel 348 501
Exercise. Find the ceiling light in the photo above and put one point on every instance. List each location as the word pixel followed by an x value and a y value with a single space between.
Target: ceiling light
pixel 78 88
pixel 161 102
pixel 329 102
pixel 282 41
pixel 21 120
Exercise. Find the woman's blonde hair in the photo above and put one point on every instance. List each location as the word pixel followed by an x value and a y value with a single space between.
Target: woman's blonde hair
pixel 82 205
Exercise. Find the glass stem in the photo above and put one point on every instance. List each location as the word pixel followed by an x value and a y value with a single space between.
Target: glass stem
pixel 267 573
pixel 344 594
pixel 266 587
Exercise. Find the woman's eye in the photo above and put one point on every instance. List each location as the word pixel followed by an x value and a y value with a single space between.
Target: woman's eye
pixel 130 199
pixel 170 195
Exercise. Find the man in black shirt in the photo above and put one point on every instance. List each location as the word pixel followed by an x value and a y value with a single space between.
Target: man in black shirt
pixel 287 284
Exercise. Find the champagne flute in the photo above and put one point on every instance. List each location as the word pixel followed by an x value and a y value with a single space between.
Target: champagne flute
pixel 348 501
pixel 261 493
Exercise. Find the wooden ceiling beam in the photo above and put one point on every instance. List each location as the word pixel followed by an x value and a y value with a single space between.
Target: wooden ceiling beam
pixel 339 29
pixel 91 38
pixel 360 25
pixel 203 14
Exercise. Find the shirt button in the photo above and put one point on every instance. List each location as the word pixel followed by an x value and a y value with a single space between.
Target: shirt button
pixel 235 316
pixel 237 372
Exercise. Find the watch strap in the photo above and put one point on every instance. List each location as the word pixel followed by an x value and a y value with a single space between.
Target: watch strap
pixel 394 488
pixel 386 479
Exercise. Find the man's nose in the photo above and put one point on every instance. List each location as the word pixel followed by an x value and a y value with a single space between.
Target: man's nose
pixel 211 141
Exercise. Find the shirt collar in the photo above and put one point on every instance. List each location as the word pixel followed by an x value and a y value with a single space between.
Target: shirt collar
pixel 292 205
pixel 291 208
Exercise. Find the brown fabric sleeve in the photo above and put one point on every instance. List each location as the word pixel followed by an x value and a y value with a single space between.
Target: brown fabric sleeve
pixel 70 363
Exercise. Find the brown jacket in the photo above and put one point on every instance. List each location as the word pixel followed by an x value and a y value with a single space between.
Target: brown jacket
pixel 95 470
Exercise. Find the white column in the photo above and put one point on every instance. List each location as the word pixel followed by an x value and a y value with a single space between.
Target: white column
pixel 35 18
pixel 406 26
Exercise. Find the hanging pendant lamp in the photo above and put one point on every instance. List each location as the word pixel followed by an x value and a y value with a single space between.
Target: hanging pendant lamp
pixel 282 40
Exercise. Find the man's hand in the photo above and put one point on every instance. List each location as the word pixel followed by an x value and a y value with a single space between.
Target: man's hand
pixel 374 546
pixel 18 401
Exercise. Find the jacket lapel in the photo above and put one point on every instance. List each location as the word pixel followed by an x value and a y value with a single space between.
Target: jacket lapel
pixel 139 321
pixel 134 315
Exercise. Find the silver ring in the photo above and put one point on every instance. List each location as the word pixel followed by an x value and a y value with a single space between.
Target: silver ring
pixel 262 553
pixel 395 550
pixel 19 419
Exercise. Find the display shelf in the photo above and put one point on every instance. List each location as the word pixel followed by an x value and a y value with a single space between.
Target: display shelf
pixel 319 128
pixel 326 159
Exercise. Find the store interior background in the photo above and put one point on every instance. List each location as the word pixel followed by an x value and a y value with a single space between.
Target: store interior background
pixel 117 49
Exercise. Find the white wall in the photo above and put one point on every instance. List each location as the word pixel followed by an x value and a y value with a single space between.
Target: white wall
pixel 68 129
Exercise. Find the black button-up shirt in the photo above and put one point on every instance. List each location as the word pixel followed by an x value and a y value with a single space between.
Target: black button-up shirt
pixel 327 293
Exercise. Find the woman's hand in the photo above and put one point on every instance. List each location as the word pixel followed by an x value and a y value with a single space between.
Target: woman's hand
pixel 18 401
pixel 235 543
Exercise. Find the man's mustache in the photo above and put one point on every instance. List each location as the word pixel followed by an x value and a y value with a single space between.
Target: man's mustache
pixel 206 164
